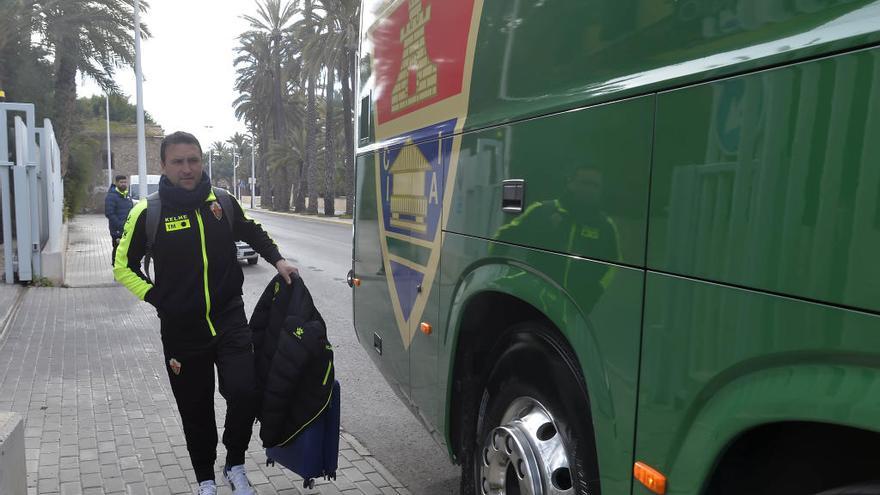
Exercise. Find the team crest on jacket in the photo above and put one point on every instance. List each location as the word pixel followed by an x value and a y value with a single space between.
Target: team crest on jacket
pixel 174 365
pixel 217 210
pixel 422 61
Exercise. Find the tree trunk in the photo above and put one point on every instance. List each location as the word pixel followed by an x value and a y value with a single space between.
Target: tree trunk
pixel 348 82
pixel 263 169
pixel 312 147
pixel 329 148
pixel 65 105
pixel 281 189
pixel 299 202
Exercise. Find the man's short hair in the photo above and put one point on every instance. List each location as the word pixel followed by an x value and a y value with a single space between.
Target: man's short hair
pixel 120 177
pixel 178 137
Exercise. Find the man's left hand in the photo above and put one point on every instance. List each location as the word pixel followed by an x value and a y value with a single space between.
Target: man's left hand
pixel 287 270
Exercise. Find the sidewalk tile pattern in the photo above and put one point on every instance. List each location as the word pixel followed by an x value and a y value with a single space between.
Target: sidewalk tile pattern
pixel 84 367
pixel 88 252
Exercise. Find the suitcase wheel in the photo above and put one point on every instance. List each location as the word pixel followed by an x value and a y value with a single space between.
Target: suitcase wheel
pixel 309 483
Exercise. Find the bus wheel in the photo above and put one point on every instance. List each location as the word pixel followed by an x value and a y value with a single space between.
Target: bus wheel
pixel 534 436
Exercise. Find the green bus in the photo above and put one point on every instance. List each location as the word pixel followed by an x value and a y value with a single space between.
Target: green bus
pixel 626 246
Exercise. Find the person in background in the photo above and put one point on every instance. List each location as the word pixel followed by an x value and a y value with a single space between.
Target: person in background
pixel 117 204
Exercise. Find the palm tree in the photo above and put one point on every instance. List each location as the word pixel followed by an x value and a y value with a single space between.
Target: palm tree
pixel 91 37
pixel 325 51
pixel 14 31
pixel 25 73
pixel 241 146
pixel 292 150
pixel 342 42
pixel 220 148
pixel 305 31
pixel 270 27
pixel 240 143
pixel 329 148
pixel 254 84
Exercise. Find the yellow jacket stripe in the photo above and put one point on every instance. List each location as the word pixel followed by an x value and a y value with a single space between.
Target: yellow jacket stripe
pixel 205 264
pixel 121 271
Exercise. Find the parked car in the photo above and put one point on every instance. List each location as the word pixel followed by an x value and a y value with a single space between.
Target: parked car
pixel 246 253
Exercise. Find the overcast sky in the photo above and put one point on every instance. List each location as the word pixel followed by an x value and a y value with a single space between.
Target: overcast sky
pixel 187 64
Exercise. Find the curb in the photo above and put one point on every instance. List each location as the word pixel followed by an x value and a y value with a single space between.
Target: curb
pixel 13 469
pixel 313 218
pixel 365 454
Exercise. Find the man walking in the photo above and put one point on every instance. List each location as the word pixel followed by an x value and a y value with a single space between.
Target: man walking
pixel 117 204
pixel 197 294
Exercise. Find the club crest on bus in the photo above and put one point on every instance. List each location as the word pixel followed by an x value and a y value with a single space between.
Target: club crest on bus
pixel 412 179
pixel 422 71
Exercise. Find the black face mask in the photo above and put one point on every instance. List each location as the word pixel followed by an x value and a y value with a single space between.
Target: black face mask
pixel 181 199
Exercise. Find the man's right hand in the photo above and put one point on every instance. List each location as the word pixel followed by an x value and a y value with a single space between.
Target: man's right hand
pixel 286 269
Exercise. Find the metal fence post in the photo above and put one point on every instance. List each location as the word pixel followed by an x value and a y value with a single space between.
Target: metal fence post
pixel 33 173
pixel 5 203
pixel 22 203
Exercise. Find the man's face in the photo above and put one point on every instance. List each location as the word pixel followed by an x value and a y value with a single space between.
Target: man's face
pixel 122 184
pixel 183 165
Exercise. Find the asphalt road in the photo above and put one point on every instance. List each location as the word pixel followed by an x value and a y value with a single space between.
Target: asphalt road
pixel 370 410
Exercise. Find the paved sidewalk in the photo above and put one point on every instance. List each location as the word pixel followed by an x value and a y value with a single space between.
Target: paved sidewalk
pixel 340 208
pixel 83 366
pixel 88 252
pixel 314 218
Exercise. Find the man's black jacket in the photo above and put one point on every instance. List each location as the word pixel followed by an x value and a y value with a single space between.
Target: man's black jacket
pixel 117 204
pixel 294 361
pixel 197 274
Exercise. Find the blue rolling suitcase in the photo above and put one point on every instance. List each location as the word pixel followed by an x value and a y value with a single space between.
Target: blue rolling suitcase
pixel 314 453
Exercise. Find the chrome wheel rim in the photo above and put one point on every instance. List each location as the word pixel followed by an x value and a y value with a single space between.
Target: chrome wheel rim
pixel 525 454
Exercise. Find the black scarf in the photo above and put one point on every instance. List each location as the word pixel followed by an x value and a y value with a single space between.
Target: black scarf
pixel 179 198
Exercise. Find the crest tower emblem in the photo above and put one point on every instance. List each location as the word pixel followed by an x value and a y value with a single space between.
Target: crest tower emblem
pixel 422 64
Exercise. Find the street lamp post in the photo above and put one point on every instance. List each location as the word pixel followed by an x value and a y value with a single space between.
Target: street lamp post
pixel 142 141
pixel 109 154
pixel 235 157
pixel 210 155
pixel 253 179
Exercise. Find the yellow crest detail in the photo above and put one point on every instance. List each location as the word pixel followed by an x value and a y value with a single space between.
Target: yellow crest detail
pixel 175 366
pixel 217 210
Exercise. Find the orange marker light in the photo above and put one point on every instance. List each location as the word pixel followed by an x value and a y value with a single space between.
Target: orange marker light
pixel 650 477
pixel 426 328
pixel 356 282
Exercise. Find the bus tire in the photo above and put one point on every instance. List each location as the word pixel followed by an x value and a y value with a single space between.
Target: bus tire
pixel 534 396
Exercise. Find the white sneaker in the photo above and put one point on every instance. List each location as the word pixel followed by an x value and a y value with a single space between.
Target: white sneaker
pixel 208 488
pixel 238 480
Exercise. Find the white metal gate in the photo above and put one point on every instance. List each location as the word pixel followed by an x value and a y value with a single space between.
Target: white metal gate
pixel 31 193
